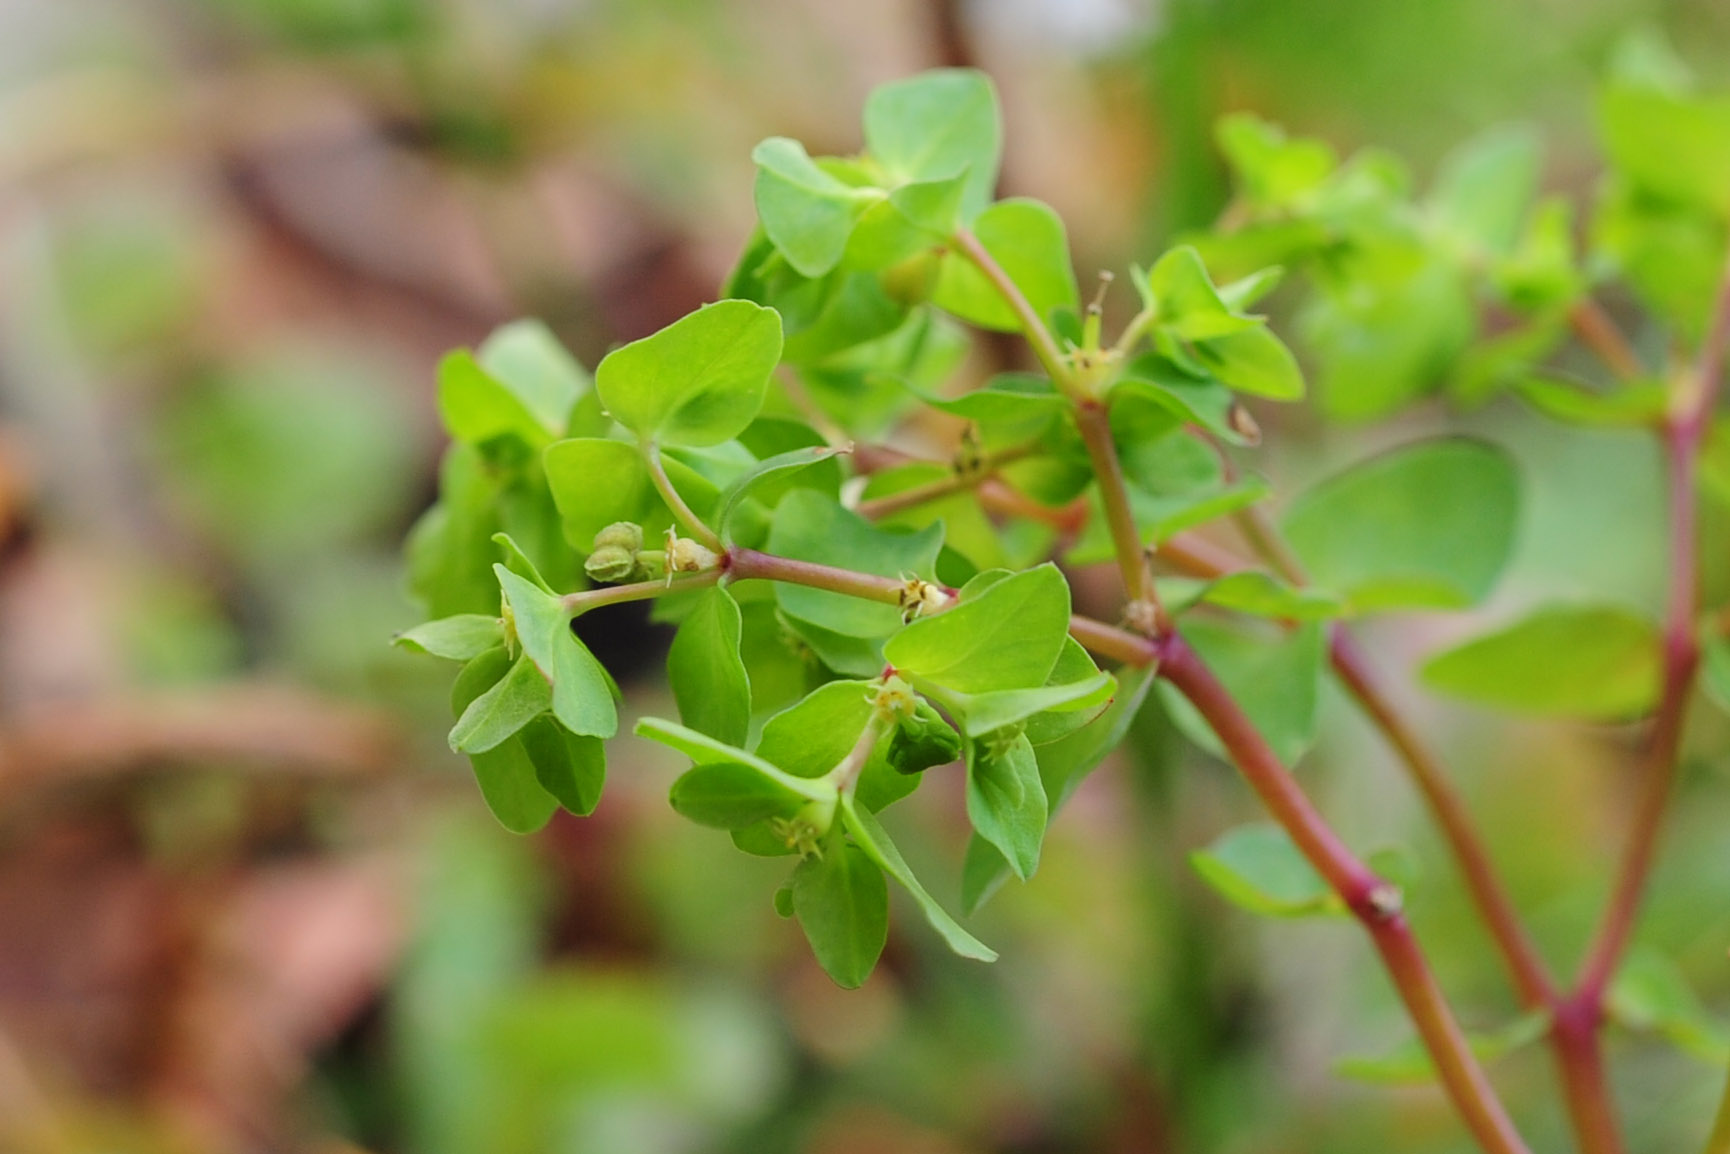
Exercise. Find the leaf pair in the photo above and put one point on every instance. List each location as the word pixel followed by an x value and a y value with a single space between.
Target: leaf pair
pixel 1204 329
pixel 837 890
pixel 932 151
pixel 988 661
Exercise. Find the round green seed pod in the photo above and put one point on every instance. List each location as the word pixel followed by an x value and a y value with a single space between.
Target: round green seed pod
pixel 622 535
pixel 611 563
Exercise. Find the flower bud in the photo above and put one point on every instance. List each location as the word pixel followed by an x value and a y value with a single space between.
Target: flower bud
pixel 921 740
pixel 687 556
pixel 918 597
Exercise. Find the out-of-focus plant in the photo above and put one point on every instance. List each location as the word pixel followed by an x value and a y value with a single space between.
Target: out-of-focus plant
pixel 851 619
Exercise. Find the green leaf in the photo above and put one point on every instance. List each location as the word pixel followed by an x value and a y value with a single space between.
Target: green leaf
pixel 1006 802
pixel 938 124
pixel 1007 637
pixel 518 696
pixel 842 903
pixel 1027 239
pixel 705 750
pixel 845 631
pixel 582 695
pixel 1254 361
pixel 1264 595
pixel 699 381
pixel 706 672
pixel 596 481
pixel 1590 661
pixel 812 736
pixel 460 638
pixel 1410 1064
pixel 1715 668
pixel 1063 764
pixel 1428 525
pixel 872 838
pixel 1021 399
pixel 1189 306
pixel 477 407
pixel 1670 254
pixel 1240 294
pixel 903 229
pixel 517 561
pixel 760 477
pixel 506 776
pixel 1641 403
pixel 1199 401
pixel 1075 668
pixel 571 768
pixel 1650 994
pixel 1274 674
pixel 980 713
pixel 1674 146
pixel 733 795
pixel 449 562
pixel 1272 169
pixel 1485 189
pixel 1258 868
pixel 1386 328
pixel 528 360
pixel 808 213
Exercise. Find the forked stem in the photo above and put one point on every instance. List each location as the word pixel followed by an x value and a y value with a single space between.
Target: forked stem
pixel 683 512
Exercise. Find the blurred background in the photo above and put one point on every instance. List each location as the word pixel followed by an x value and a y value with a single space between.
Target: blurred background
pixel 248 902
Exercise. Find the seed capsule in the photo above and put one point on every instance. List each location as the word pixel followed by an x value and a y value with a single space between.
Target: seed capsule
pixel 611 563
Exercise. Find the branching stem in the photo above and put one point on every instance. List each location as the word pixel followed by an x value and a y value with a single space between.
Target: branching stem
pixel 1366 895
pixel 664 485
pixel 958 481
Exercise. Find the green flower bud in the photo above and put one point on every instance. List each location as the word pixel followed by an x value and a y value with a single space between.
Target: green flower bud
pixel 921 740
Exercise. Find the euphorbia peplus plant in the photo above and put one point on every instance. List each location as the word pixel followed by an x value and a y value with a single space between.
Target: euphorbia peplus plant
pixel 851 618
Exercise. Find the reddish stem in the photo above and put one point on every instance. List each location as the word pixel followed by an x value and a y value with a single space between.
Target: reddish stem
pixel 1599 333
pixel 1095 426
pixel 1371 900
pixel 1198 557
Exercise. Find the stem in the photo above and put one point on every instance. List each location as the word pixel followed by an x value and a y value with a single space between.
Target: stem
pixel 1095 425
pixel 750 564
pixel 1032 325
pixel 1132 332
pixel 1264 537
pixel 1531 978
pixel 1365 894
pixel 664 485
pixel 1600 334
pixel 1691 414
pixel 846 772
pixel 1585 1082
pixel 957 482
pixel 1200 558
pixel 584 600
pixel 1110 641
